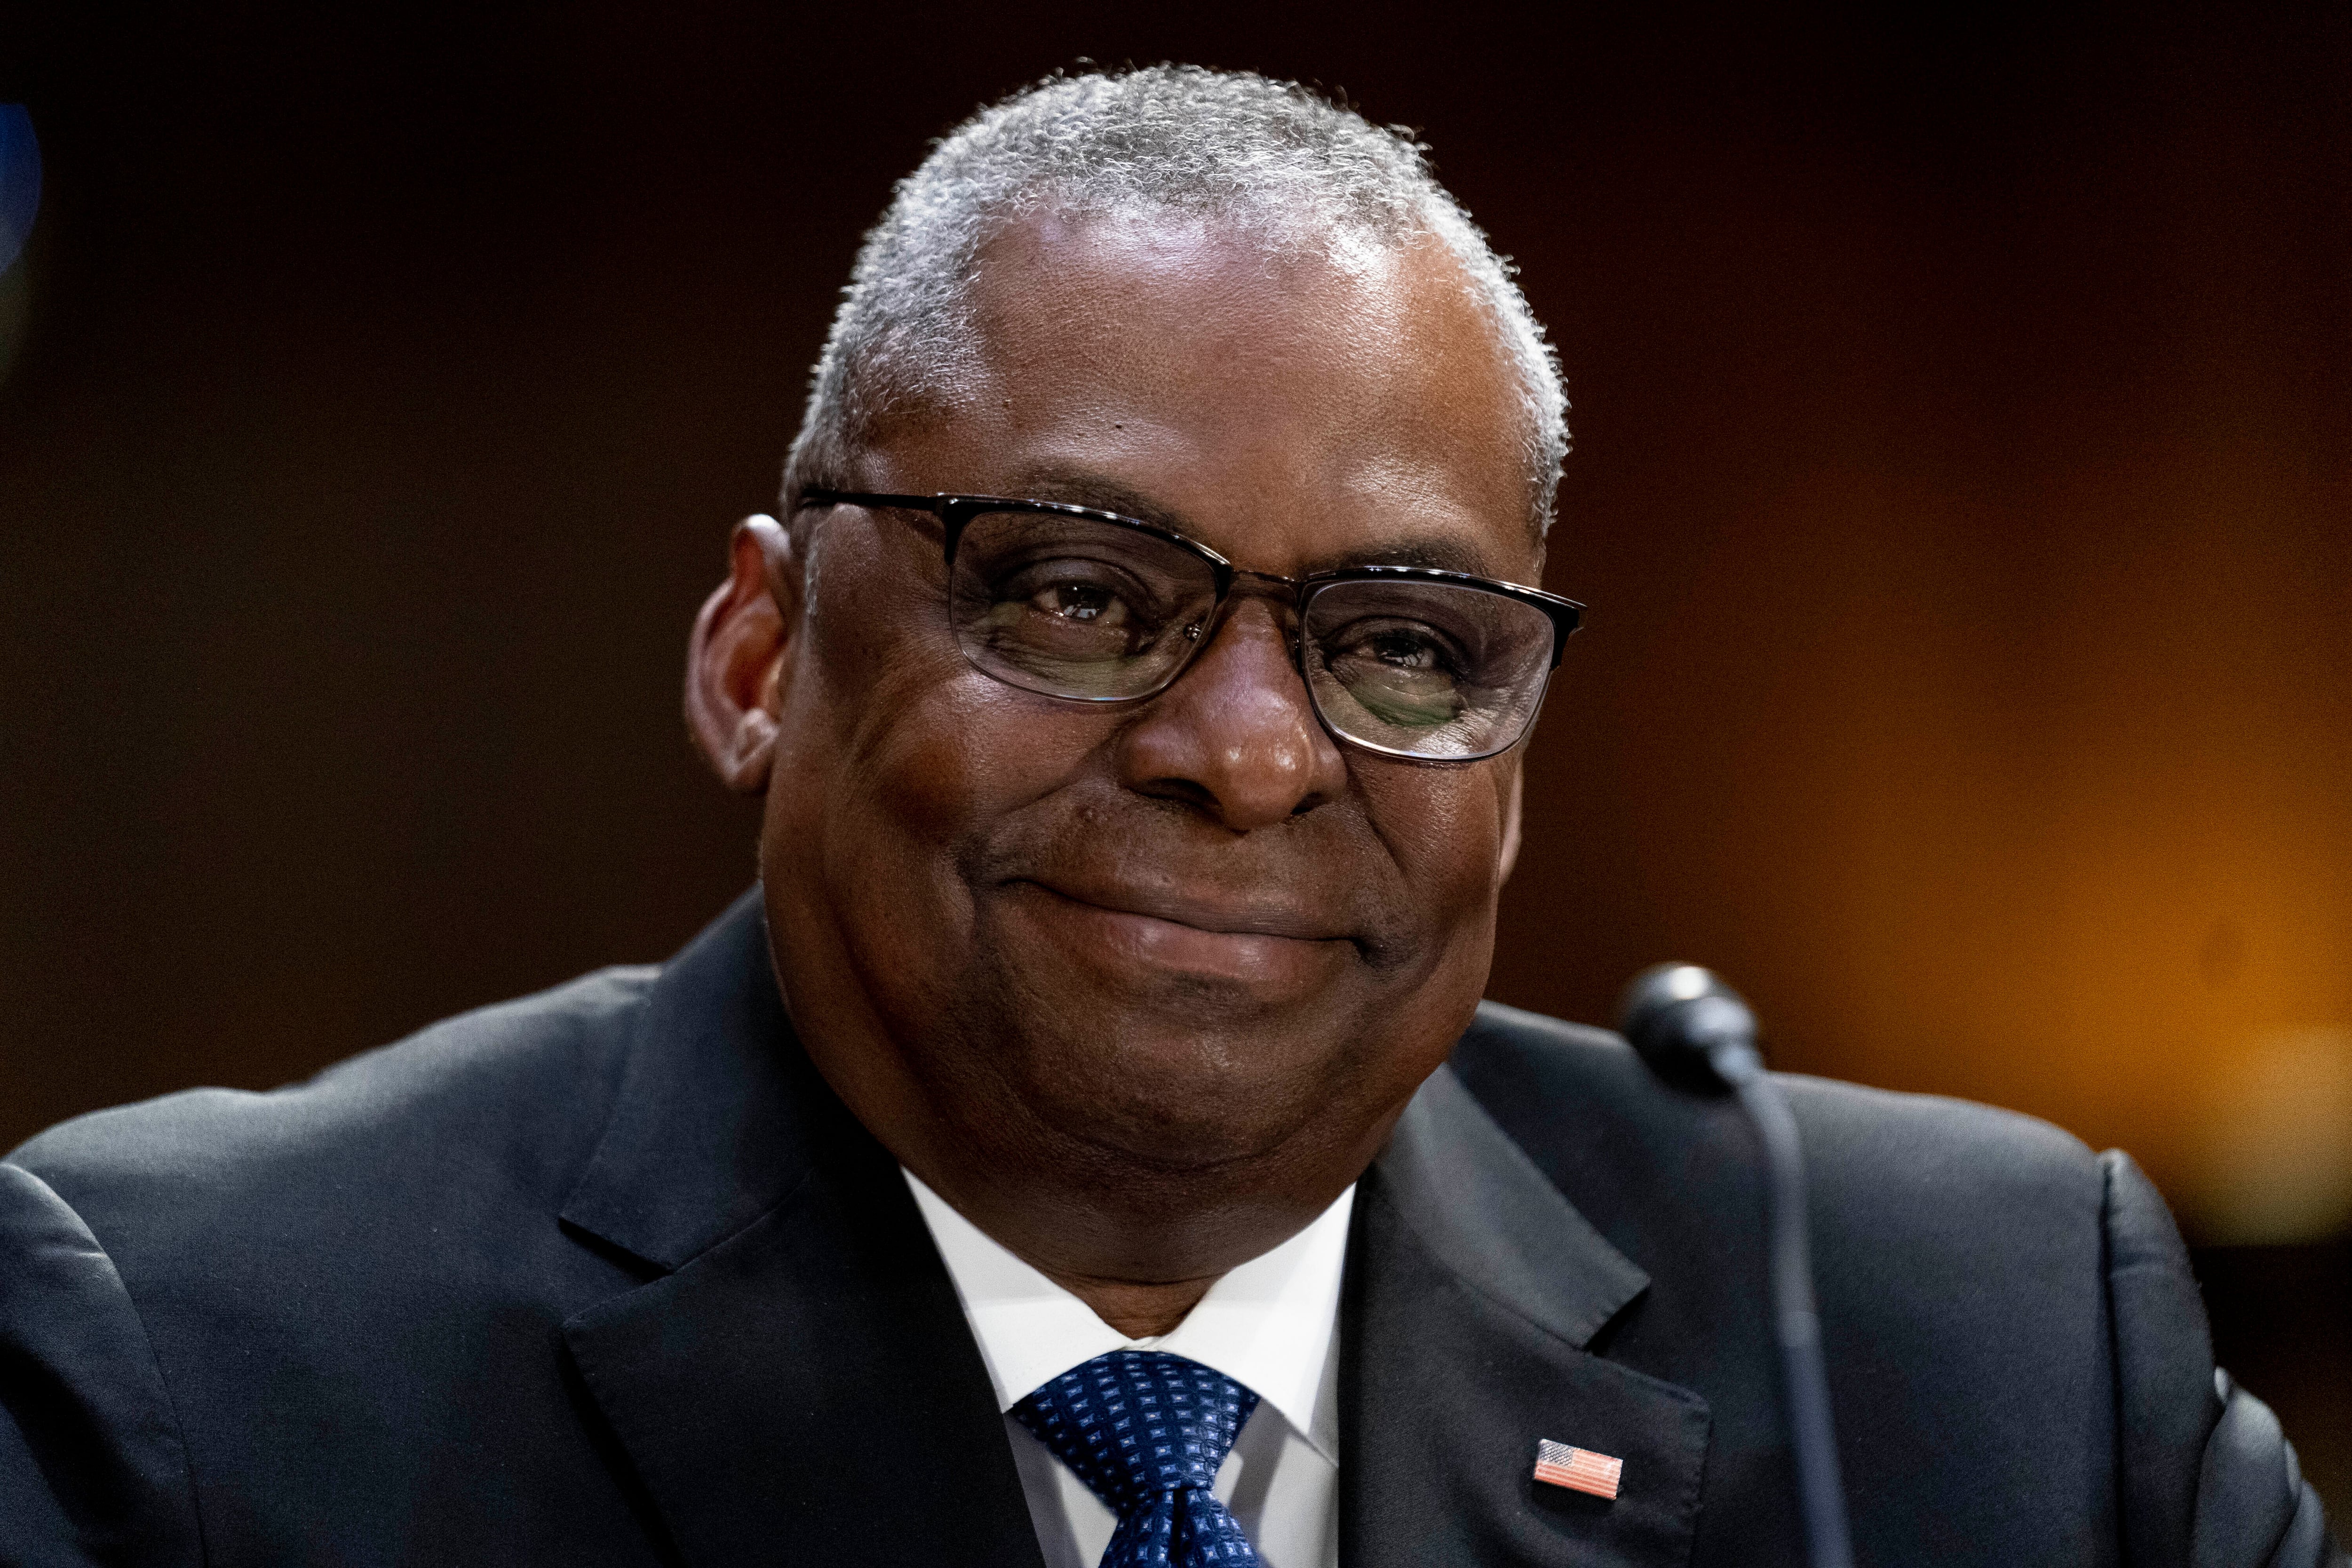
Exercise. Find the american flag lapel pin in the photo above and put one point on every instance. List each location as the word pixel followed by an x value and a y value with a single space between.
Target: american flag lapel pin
pixel 1578 1469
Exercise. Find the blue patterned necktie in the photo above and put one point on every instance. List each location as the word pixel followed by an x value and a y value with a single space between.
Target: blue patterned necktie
pixel 1145 1431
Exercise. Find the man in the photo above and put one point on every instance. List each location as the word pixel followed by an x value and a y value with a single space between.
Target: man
pixel 1088 1143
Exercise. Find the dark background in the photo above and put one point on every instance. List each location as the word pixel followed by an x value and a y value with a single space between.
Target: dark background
pixel 1963 414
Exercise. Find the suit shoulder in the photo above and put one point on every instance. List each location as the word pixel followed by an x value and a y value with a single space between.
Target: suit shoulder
pixel 1554 1084
pixel 1518 1052
pixel 1932 1140
pixel 517 1084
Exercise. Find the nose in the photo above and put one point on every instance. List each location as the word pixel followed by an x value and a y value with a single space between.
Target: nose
pixel 1235 737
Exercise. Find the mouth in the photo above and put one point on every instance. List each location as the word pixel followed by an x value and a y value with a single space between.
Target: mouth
pixel 1252 944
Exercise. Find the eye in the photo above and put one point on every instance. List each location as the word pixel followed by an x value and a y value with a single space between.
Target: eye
pixel 1394 648
pixel 1401 650
pixel 1083 601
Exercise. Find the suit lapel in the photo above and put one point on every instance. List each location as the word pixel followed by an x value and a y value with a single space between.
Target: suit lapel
pixel 1473 1289
pixel 797 1383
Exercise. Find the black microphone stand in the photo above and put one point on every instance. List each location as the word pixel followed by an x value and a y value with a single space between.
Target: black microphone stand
pixel 1688 1025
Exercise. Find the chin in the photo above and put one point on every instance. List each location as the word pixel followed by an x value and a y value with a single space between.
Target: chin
pixel 1182 1081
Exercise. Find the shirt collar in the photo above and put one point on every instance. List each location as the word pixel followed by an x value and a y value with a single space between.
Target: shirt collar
pixel 1269 1324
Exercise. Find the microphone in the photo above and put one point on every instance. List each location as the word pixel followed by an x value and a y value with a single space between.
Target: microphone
pixel 1698 1034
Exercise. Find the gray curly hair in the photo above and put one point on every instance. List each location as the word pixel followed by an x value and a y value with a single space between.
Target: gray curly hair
pixel 1299 172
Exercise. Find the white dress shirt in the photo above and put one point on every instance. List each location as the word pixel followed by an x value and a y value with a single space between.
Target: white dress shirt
pixel 1271 1325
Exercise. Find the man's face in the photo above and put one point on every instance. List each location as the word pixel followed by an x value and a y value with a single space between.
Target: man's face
pixel 1186 931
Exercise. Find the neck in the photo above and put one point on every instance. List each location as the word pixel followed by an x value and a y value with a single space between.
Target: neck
pixel 1137 1309
pixel 1140 1254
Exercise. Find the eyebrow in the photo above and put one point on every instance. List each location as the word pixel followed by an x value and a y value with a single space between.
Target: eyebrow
pixel 1079 486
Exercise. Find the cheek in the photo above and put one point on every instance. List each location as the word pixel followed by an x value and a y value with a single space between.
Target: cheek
pixel 1445 830
pixel 952 751
pixel 911 757
pixel 884 719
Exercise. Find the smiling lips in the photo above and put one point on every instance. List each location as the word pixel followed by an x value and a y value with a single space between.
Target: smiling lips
pixel 1250 944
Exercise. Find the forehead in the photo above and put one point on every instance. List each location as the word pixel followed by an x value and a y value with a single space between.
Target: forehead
pixel 1295 410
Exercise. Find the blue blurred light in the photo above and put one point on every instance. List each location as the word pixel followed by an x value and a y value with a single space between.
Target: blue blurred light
pixel 20 179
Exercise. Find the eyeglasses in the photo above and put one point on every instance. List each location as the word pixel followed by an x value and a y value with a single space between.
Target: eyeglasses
pixel 1092 606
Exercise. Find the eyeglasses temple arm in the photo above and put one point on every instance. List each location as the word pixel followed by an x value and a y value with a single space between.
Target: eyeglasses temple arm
pixel 821 495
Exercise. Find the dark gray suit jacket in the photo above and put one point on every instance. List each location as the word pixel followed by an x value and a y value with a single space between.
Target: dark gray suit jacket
pixel 609 1276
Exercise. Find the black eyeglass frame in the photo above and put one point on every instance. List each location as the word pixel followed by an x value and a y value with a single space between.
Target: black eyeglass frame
pixel 957 512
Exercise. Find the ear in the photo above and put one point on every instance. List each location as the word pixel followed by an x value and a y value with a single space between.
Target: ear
pixel 735 659
pixel 1510 855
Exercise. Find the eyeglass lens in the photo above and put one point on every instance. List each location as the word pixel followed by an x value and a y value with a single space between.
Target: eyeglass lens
pixel 1425 670
pixel 1078 608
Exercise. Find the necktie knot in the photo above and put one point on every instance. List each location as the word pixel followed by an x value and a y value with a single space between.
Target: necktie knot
pixel 1146 1431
